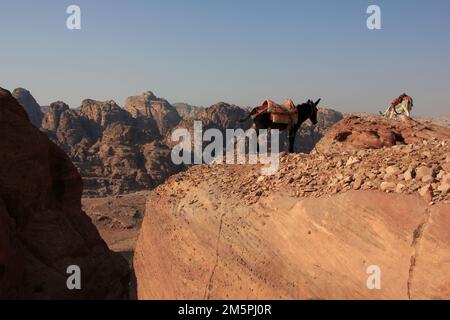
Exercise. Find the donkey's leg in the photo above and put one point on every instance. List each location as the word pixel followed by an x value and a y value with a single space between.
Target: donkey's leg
pixel 291 136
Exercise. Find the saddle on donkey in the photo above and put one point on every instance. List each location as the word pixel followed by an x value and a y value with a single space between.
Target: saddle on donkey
pixel 285 113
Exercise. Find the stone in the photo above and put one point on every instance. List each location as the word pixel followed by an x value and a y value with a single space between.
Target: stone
pixel 393 170
pixel 427 179
pixel 446 178
pixel 358 182
pixel 409 175
pixel 426 192
pixel 400 188
pixel 446 167
pixel 260 179
pixel 440 175
pixel 423 171
pixel 444 188
pixel 351 161
pixel 388 186
pixel 426 154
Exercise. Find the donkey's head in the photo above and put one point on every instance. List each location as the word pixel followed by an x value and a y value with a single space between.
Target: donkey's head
pixel 309 110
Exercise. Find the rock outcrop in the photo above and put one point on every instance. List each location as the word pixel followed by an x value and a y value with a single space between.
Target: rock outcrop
pixel 66 128
pixel 43 230
pixel 119 164
pixel 317 229
pixel 30 105
pixel 101 114
pixel 148 106
pixel 372 132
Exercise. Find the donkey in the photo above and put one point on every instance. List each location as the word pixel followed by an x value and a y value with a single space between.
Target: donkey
pixel 263 120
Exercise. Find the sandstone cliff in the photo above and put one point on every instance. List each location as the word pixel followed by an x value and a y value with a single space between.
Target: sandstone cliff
pixel 42 227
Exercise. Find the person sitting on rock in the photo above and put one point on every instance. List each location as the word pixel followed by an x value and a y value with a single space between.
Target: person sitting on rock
pixel 402 105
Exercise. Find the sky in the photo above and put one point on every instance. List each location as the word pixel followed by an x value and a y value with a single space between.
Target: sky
pixel 238 51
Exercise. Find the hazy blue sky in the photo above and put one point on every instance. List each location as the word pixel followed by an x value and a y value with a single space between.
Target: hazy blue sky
pixel 238 51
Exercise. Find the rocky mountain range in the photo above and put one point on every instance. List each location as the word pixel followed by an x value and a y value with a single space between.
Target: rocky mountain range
pixel 115 150
pixel 122 150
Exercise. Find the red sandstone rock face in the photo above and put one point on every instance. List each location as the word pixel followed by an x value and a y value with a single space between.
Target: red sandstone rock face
pixel 198 243
pixel 42 227
pixel 372 132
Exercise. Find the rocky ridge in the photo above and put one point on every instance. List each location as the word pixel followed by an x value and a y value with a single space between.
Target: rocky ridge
pixel 420 167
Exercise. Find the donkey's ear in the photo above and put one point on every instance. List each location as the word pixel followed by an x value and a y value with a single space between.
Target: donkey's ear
pixel 317 103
